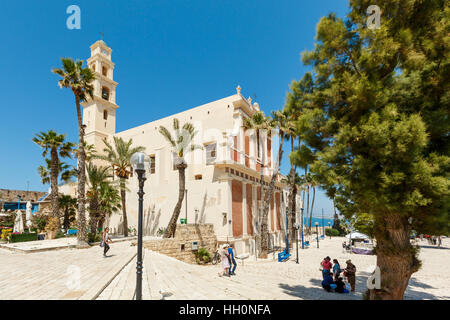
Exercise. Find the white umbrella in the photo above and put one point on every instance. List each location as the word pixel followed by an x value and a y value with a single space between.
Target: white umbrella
pixel 357 236
pixel 28 215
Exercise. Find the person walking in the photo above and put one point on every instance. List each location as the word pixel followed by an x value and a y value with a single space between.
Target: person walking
pixel 336 269
pixel 233 263
pixel 326 266
pixel 225 262
pixel 106 239
pixel 350 273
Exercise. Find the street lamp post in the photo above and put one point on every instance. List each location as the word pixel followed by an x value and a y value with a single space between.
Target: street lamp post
pixel 140 161
pixel 296 226
pixel 303 243
pixel 317 233
pixel 18 201
pixel 329 227
pixel 185 190
pixel 323 225
pixel 287 232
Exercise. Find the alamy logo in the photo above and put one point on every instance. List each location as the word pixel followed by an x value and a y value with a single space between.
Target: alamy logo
pixel 374 18
pixel 74 20
pixel 374 281
pixel 73 277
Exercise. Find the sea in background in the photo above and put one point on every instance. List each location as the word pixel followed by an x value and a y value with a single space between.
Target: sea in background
pixel 319 220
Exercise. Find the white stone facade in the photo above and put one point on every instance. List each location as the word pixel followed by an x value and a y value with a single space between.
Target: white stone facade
pixel 222 180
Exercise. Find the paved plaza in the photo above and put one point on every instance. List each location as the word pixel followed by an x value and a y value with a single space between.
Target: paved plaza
pixel 167 278
pixel 86 274
pixel 60 274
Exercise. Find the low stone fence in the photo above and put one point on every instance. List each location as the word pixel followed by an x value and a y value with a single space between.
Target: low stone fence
pixel 181 247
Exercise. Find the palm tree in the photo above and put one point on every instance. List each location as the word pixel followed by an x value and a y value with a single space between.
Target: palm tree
pixel 119 158
pixel 313 184
pixel 66 172
pixel 259 122
pixel 109 203
pixel 295 185
pixel 279 120
pixel 181 146
pixel 98 176
pixel 68 205
pixel 56 145
pixel 79 80
pixel 89 151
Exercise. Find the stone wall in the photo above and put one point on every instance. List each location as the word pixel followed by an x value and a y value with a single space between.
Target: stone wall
pixel 180 247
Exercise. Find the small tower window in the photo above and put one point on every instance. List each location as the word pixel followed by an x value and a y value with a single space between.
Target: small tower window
pixel 198 177
pixel 105 93
pixel 105 114
pixel 105 71
pixel 152 164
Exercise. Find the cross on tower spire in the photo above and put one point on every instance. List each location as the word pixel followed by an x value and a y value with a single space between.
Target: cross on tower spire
pixel 101 36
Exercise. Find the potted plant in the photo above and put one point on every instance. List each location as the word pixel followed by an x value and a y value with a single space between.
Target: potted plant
pixel 203 256
pixel 51 227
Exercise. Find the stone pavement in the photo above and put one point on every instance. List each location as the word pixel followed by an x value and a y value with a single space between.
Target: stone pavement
pixel 86 274
pixel 272 280
pixel 54 244
pixel 61 274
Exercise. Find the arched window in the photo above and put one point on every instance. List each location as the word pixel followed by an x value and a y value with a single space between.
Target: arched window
pixel 105 71
pixel 105 114
pixel 105 93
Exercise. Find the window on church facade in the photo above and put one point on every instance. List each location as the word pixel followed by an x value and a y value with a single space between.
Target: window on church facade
pixel 105 114
pixel 211 153
pixel 105 71
pixel 105 93
pixel 152 164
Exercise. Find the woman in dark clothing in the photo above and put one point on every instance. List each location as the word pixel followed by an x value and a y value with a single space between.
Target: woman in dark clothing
pixel 106 239
pixel 340 285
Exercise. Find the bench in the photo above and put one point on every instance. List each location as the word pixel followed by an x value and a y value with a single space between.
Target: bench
pixel 242 257
pixel 283 256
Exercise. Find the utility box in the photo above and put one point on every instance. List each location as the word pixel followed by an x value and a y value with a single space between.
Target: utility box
pixel 194 245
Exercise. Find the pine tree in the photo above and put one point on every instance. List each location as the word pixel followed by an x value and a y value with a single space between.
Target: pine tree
pixel 376 111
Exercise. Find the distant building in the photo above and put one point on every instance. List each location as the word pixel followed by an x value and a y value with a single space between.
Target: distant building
pixel 17 199
pixel 222 180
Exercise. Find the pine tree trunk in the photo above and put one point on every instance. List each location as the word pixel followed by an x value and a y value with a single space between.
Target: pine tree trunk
pixel 123 193
pixel 396 257
pixel 54 184
pixel 172 226
pixel 81 234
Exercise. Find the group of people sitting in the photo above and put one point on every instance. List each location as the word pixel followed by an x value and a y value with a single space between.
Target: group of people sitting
pixel 228 262
pixel 331 275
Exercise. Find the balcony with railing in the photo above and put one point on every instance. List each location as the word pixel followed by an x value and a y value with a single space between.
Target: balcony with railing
pixel 226 154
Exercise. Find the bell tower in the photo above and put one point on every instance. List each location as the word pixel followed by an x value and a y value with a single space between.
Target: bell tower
pixel 99 113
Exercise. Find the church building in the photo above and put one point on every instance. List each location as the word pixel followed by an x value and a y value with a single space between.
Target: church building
pixel 222 178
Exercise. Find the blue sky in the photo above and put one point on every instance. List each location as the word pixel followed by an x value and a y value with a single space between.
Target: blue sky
pixel 169 55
